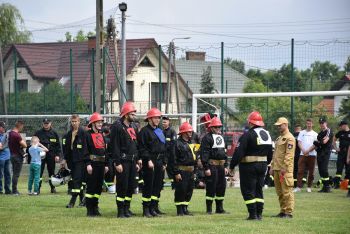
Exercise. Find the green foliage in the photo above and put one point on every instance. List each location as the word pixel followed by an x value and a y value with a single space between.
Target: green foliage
pixel 207 86
pixel 237 65
pixel 347 65
pixel 12 28
pixel 79 37
pixel 52 98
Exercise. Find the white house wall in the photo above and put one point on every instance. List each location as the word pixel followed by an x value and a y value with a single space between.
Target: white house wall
pixel 22 74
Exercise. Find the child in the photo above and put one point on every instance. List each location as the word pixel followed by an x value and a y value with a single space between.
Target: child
pixel 37 150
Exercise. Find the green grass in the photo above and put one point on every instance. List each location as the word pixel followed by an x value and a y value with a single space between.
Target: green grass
pixel 314 213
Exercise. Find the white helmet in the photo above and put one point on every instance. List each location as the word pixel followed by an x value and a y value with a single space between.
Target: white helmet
pixel 62 177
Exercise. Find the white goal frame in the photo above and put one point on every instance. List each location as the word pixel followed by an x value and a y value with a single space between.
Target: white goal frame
pixel 279 94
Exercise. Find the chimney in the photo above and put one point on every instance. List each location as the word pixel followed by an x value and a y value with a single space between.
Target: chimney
pixel 91 43
pixel 193 55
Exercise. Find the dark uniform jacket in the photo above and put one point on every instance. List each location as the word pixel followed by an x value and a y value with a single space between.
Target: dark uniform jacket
pixel 184 154
pixel 96 146
pixel 123 142
pixel 50 139
pixel 150 146
pixel 170 138
pixel 74 152
pixel 255 142
pixel 320 147
pixel 209 151
pixel 344 140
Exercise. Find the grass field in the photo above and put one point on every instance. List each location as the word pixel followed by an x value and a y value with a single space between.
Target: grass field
pixel 314 213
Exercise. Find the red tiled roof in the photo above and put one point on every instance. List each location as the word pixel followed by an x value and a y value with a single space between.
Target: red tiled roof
pixel 327 105
pixel 52 61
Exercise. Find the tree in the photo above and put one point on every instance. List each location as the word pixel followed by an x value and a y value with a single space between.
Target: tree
pixel 237 65
pixel 68 36
pixel 207 86
pixel 347 65
pixel 12 29
pixel 79 37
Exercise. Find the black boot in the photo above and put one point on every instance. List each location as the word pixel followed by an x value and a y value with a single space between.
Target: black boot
pixel 40 185
pixel 219 207
pixel 96 208
pixel 82 201
pixel 209 206
pixel 89 208
pixel 252 211
pixel 185 210
pixel 179 210
pixel 156 208
pixel 336 182
pixel 348 195
pixel 326 188
pixel 120 206
pixel 127 211
pixel 146 212
pixel 259 210
pixel 72 201
pixel 152 210
pixel 53 189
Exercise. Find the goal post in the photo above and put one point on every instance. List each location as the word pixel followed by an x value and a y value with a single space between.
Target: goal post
pixel 195 98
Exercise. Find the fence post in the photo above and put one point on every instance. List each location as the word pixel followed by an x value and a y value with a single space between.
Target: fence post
pixel 92 84
pixel 71 80
pixel 292 84
pixel 160 77
pixel 9 104
pixel 16 85
pixel 222 82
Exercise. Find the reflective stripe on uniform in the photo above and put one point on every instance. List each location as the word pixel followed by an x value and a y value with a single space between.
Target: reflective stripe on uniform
pixel 83 183
pixel 325 178
pixel 89 195
pixel 145 199
pixel 259 200
pixel 182 203
pixel 338 175
pixel 219 198
pixel 272 178
pixel 209 198
pixel 250 201
pixel 128 198
pixel 75 190
pixel 140 181
pixel 304 179
pixel 154 198
pixel 120 199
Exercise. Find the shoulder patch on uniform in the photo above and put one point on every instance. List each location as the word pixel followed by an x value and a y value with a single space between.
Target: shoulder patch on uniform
pixel 290 146
pixel 283 139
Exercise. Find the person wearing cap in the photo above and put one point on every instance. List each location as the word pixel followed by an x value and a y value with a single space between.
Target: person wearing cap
pixel 323 146
pixel 214 161
pixel 123 150
pixel 152 150
pixel 170 137
pixel 74 149
pixel 96 164
pixel 344 141
pixel 184 162
pixel 5 163
pixel 50 139
pixel 253 153
pixel 282 168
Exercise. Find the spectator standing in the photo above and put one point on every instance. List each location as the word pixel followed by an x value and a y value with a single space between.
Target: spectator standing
pixel 4 160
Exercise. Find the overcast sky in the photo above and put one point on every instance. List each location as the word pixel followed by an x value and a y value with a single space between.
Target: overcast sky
pixel 207 22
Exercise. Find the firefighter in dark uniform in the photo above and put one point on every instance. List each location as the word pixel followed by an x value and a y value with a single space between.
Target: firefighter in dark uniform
pixel 214 161
pixel 74 150
pixel 253 153
pixel 344 142
pixel 123 147
pixel 96 164
pixel 323 148
pixel 49 138
pixel 110 175
pixel 170 137
pixel 184 163
pixel 152 150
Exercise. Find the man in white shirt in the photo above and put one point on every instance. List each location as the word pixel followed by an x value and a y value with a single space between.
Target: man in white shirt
pixel 307 155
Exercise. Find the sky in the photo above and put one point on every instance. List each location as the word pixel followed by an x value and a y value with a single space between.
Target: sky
pixel 208 23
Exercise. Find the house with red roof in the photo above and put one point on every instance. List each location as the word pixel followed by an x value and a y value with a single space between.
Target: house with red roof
pixel 40 63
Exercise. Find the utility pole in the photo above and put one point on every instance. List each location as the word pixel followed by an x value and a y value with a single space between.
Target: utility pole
pixel 99 43
pixel 2 90
pixel 176 83
pixel 168 78
pixel 123 8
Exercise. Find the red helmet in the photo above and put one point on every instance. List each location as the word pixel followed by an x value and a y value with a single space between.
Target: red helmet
pixel 127 108
pixel 215 122
pixel 153 112
pixel 185 127
pixel 95 117
pixel 205 119
pixel 256 119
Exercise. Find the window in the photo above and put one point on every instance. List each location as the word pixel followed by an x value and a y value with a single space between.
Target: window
pixel 146 63
pixel 130 90
pixel 155 92
pixel 22 85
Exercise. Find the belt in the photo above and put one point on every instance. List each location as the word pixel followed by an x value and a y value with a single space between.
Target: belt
pixel 130 157
pixel 249 159
pixel 217 162
pixel 97 158
pixel 186 168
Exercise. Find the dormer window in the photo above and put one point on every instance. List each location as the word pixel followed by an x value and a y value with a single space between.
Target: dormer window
pixel 146 62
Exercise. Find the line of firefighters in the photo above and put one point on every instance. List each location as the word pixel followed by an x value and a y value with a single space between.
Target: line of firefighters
pixel 130 150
